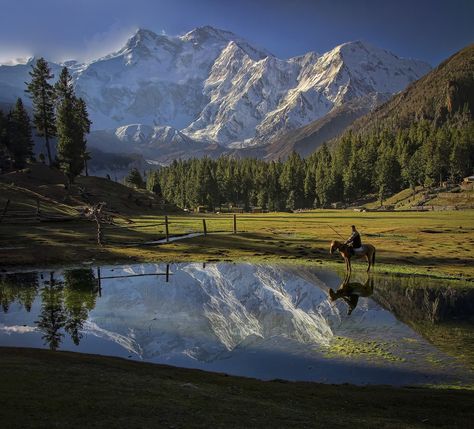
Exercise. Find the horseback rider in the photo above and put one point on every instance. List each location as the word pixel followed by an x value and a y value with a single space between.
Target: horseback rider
pixel 354 242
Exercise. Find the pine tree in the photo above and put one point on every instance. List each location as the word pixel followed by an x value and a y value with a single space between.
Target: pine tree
pixel 273 186
pixel 70 128
pixel 20 142
pixel 5 161
pixel 388 174
pixel 459 162
pixel 310 185
pixel 292 181
pixel 413 172
pixel 153 183
pixel 324 178
pixel 135 179
pixel 84 123
pixel 42 95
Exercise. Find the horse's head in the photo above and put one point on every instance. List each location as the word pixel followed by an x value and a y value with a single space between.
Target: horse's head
pixel 334 246
pixel 349 298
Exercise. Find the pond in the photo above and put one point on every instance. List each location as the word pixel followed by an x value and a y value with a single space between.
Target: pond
pixel 263 321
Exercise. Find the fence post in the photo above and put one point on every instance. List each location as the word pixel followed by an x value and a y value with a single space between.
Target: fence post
pixel 167 273
pixel 99 281
pixel 235 223
pixel 167 232
pixel 5 210
pixel 204 227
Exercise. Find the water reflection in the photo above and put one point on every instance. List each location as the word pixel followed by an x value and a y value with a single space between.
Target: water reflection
pixel 351 291
pixel 21 287
pixel 65 303
pixel 254 320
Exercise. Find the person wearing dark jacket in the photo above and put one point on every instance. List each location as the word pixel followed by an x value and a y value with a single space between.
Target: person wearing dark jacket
pixel 354 241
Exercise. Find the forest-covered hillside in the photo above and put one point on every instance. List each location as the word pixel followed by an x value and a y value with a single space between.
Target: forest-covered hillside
pixel 422 136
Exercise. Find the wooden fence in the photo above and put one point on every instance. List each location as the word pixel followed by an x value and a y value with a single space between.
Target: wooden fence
pixel 172 226
pixel 184 225
pixel 33 215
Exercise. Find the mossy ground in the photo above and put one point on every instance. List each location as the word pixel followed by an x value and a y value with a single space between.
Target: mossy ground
pixel 62 389
pixel 369 350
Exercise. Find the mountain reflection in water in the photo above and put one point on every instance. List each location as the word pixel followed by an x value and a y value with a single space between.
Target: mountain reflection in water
pixel 254 320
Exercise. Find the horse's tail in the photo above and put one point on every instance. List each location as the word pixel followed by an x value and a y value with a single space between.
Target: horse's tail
pixel 373 258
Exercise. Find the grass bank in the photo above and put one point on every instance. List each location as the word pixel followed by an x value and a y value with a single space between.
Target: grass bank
pixel 61 389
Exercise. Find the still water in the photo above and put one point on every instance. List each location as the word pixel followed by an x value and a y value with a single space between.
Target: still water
pixel 268 322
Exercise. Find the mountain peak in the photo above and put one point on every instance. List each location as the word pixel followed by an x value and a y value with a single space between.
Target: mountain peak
pixel 141 36
pixel 357 47
pixel 206 32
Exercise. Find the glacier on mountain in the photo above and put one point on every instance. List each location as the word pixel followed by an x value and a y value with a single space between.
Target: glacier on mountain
pixel 214 87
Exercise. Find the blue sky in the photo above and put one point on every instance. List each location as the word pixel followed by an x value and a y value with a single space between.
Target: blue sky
pixel 84 29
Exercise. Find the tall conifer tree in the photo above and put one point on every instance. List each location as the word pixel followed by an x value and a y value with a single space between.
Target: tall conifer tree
pixel 70 127
pixel 84 123
pixel 20 142
pixel 4 152
pixel 42 95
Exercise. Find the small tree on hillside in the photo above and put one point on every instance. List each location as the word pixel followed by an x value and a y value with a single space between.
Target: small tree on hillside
pixel 153 183
pixel 19 141
pixel 135 179
pixel 42 96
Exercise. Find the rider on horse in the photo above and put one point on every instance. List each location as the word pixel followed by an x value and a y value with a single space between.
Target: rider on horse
pixel 354 242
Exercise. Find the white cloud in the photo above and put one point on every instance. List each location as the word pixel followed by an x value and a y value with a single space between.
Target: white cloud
pixel 104 43
pixel 16 329
pixel 13 57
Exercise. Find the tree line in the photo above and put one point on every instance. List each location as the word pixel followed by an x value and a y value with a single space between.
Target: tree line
pixel 57 113
pixel 377 164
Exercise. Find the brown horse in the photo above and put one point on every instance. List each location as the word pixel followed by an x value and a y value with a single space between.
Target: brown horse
pixel 367 250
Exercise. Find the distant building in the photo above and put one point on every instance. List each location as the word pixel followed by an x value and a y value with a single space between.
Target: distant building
pixel 467 183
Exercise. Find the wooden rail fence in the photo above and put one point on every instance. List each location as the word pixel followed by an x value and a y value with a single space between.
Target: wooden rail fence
pixel 15 215
pixel 198 225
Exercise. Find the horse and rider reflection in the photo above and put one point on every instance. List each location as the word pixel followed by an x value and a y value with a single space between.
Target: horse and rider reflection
pixel 350 292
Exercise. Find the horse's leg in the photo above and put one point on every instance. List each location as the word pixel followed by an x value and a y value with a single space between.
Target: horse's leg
pixel 346 260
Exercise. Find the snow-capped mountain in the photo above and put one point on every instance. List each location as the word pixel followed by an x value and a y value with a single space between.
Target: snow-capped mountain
pixel 215 87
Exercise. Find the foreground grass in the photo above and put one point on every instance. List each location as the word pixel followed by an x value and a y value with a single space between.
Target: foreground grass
pixel 59 389
pixel 428 243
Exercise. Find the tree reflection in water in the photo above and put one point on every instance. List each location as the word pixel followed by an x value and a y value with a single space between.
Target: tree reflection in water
pixel 80 292
pixel 65 304
pixel 52 317
pixel 21 287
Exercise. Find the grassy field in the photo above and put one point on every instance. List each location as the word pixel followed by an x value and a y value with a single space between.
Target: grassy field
pixel 61 389
pixel 434 243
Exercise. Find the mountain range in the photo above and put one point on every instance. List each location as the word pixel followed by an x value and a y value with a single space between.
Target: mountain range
pixel 210 92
